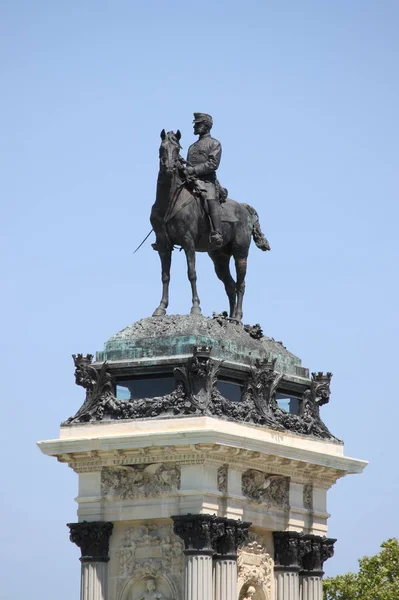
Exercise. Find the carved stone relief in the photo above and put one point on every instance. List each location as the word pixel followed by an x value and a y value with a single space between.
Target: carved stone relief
pixel 271 490
pixel 150 552
pixel 138 481
pixel 152 590
pixel 255 569
pixel 222 479
pixel 308 497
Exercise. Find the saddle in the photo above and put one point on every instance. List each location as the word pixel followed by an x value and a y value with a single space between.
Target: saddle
pixel 198 188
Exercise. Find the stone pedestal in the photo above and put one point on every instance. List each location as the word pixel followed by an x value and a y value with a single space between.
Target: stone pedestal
pixel 189 426
pixel 93 541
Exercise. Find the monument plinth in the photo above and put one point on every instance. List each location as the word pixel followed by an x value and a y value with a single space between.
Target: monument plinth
pixel 202 457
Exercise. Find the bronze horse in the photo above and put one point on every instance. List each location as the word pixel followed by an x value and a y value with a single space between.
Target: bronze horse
pixel 179 218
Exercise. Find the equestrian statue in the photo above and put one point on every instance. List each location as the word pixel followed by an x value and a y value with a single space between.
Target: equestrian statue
pixel 192 211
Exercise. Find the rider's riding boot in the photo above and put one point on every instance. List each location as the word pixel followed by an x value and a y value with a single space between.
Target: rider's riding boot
pixel 216 237
pixel 216 240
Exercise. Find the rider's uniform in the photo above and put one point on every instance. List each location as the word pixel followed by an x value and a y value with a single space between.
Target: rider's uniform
pixel 204 157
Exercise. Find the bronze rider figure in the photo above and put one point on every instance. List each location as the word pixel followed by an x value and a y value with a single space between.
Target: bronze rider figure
pixel 203 159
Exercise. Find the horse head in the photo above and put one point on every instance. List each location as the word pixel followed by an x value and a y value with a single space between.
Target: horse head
pixel 169 152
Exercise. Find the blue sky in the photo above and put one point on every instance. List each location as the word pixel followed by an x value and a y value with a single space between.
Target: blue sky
pixel 304 96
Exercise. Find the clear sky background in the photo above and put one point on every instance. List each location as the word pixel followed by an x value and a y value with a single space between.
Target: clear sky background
pixel 304 95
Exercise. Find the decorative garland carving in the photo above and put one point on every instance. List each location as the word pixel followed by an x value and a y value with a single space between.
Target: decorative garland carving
pixel 271 490
pixel 196 393
pixel 140 481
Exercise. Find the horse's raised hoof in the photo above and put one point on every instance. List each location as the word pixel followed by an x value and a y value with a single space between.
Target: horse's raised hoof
pixel 159 312
pixel 195 310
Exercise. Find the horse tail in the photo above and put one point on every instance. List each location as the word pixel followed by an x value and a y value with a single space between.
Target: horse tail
pixel 257 233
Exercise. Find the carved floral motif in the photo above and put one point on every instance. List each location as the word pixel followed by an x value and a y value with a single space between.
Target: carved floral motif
pixel 271 490
pixel 150 551
pixel 140 481
pixel 222 479
pixel 255 566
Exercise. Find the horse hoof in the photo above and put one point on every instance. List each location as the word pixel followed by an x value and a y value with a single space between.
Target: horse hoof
pixel 159 312
pixel 195 310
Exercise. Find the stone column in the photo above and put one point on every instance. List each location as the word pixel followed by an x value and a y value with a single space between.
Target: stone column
pixel 197 533
pixel 93 541
pixel 315 550
pixel 286 564
pixel 230 534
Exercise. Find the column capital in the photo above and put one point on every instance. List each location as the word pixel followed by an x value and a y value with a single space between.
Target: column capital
pixel 209 534
pixel 286 549
pixel 315 550
pixel 197 532
pixel 305 552
pixel 92 537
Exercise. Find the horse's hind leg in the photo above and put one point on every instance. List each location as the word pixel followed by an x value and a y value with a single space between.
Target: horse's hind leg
pixel 241 269
pixel 166 258
pixel 222 268
pixel 192 275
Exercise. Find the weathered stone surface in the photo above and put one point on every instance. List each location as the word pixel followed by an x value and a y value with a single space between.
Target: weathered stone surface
pixel 174 335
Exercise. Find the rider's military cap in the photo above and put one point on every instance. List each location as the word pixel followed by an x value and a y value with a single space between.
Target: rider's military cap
pixel 199 117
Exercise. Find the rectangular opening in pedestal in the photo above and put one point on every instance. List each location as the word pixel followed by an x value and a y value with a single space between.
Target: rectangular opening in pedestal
pixel 230 389
pixel 144 387
pixel 288 402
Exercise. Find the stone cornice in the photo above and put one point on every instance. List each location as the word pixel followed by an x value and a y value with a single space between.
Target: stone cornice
pixel 298 471
pixel 303 460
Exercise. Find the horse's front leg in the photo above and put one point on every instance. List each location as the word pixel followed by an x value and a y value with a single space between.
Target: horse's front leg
pixel 192 275
pixel 166 259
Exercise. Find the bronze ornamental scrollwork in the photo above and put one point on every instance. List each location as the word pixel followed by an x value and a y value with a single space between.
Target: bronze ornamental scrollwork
pixel 196 393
